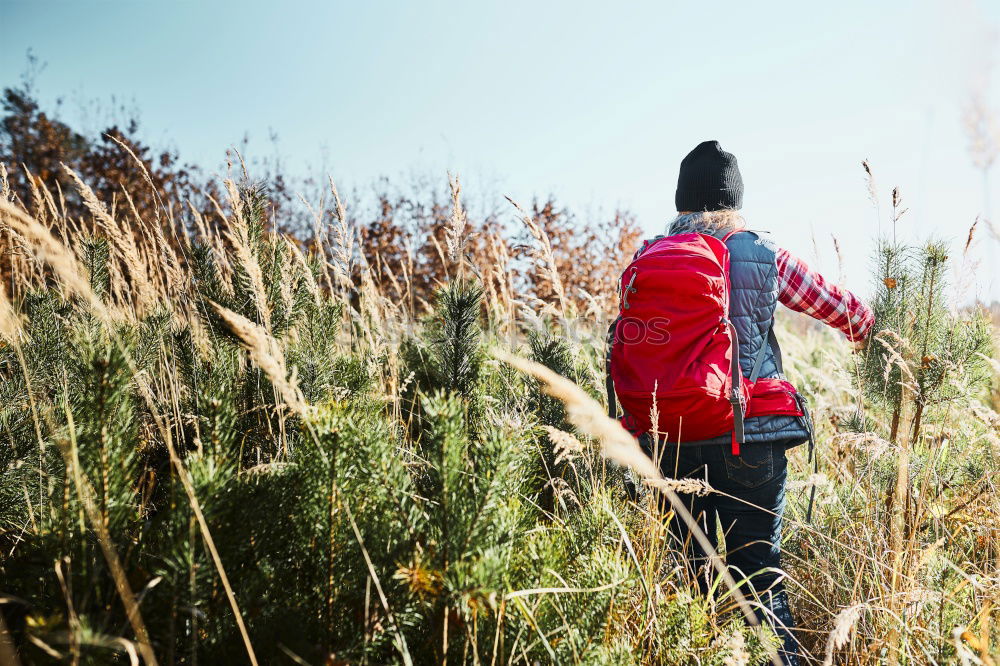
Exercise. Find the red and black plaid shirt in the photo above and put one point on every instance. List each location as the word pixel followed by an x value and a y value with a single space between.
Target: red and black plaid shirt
pixel 805 290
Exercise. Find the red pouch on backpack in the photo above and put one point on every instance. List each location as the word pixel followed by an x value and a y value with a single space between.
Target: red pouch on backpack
pixel 773 396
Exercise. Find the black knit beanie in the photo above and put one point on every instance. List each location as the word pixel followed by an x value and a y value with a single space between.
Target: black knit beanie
pixel 709 180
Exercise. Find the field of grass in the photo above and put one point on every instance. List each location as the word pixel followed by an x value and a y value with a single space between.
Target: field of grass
pixel 230 446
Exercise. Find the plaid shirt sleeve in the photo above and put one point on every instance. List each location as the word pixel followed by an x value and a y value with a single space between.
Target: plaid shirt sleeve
pixel 804 290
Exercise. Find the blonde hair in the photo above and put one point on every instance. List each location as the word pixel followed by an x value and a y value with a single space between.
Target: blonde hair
pixel 716 223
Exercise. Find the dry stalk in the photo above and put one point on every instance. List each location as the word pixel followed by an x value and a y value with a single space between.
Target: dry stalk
pixel 454 232
pixel 683 486
pixel 343 251
pixel 843 625
pixel 124 243
pixel 5 192
pixel 565 445
pixel 543 255
pixel 238 234
pixel 47 249
pixel 870 183
pixel 10 321
pixel 267 354
pixel 983 131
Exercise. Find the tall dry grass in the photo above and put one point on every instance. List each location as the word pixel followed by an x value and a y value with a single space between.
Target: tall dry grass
pixel 869 584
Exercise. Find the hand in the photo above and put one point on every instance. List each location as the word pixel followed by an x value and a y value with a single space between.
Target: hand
pixel 858 346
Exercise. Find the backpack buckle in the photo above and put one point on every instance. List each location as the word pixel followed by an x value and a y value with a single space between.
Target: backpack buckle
pixel 628 289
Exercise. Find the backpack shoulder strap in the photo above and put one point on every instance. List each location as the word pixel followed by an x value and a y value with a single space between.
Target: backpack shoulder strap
pixel 645 245
pixel 609 383
pixel 735 381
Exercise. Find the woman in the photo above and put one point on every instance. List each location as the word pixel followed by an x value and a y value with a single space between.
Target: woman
pixel 709 194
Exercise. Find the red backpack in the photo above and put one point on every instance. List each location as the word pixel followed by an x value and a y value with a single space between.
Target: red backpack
pixel 674 354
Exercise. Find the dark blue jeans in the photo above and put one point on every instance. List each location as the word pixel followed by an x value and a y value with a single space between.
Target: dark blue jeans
pixel 752 535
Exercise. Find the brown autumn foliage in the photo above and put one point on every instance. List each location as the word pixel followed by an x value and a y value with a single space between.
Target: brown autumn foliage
pixel 589 256
pixel 402 237
pixel 35 146
pixel 405 242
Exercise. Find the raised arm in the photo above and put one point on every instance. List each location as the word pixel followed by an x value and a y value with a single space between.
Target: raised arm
pixel 805 290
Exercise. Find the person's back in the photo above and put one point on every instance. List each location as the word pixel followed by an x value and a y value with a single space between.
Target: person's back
pixel 751 483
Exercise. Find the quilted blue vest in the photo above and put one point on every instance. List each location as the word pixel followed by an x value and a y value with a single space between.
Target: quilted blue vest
pixel 753 278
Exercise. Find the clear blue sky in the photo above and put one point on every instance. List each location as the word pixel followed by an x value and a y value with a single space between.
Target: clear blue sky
pixel 592 101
